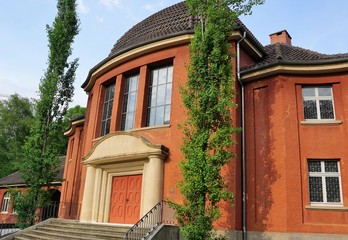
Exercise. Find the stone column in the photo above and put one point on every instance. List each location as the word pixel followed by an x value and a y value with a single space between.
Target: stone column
pixel 96 194
pixel 153 183
pixel 87 202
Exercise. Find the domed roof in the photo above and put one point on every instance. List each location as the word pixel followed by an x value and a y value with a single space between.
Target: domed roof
pixel 171 21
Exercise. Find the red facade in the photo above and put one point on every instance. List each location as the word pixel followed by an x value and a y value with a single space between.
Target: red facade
pixel 295 136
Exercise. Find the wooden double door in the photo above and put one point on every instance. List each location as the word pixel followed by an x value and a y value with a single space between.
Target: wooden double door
pixel 125 199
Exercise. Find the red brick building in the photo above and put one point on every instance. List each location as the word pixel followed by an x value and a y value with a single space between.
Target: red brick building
pixel 123 155
pixel 14 181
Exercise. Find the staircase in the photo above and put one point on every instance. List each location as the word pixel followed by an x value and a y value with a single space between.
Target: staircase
pixel 54 229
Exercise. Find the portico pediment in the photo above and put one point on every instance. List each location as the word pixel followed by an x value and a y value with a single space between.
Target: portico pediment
pixel 122 146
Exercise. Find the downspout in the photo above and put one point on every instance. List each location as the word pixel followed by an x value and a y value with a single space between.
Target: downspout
pixel 243 141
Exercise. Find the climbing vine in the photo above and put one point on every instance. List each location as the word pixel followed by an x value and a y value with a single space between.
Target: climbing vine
pixel 208 131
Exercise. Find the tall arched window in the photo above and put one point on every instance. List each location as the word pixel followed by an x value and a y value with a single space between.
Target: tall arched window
pixel 5 202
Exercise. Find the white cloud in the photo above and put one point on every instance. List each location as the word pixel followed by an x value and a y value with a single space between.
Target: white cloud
pixel 99 19
pixel 82 7
pixel 110 4
pixel 154 7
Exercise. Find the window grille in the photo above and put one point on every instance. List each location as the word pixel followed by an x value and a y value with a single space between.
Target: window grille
pixel 324 182
pixel 318 102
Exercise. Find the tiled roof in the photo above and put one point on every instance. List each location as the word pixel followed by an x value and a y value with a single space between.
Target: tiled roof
pixel 171 21
pixel 15 178
pixel 280 53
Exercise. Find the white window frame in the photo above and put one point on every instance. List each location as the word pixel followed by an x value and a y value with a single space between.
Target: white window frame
pixel 322 174
pixel 5 202
pixel 317 99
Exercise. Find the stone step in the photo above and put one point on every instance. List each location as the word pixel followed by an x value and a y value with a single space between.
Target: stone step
pixel 83 225
pixel 78 228
pixel 97 234
pixel 58 229
pixel 42 235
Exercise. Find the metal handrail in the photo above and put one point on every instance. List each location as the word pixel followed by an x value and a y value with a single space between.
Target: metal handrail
pixel 160 213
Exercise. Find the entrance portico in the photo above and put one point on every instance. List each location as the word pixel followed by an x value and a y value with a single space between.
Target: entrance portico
pixel 115 155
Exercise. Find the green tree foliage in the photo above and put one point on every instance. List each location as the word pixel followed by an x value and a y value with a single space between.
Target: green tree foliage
pixel 55 92
pixel 71 114
pixel 16 117
pixel 208 98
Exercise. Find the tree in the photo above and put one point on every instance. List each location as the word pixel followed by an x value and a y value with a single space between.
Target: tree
pixel 16 117
pixel 208 130
pixel 41 164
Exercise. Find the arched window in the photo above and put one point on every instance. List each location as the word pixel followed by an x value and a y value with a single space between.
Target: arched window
pixel 5 202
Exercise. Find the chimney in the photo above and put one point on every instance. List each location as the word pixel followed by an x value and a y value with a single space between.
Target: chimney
pixel 281 37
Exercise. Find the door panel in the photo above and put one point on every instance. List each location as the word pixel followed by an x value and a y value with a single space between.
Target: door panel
pixel 125 199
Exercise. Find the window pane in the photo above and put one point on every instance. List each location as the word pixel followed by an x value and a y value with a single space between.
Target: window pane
pixel 132 101
pixel 161 91
pixel 154 78
pixel 326 109
pixel 129 121
pixel 125 103
pixel 324 91
pixel 310 109
pixel 123 121
pixel 331 166
pixel 126 86
pixel 151 119
pixel 109 109
pixel 315 189
pixel 314 166
pixel 133 83
pixel 333 189
pixel 170 74
pixel 308 91
pixel 162 76
pixel 153 95
pixel 167 115
pixel 107 126
pixel 169 93
pixel 159 116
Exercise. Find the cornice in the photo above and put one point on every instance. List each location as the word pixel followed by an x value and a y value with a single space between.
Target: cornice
pixel 294 69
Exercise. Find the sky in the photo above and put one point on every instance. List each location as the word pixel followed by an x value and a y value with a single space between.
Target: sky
pixel 318 25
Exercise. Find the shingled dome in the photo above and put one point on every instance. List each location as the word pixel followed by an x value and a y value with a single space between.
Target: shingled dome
pixel 171 21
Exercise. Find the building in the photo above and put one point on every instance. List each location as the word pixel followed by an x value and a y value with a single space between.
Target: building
pixel 14 181
pixel 123 155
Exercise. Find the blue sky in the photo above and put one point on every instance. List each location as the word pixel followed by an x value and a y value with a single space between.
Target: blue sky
pixel 319 25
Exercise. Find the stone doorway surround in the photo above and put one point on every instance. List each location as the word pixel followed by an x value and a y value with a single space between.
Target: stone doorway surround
pixel 121 154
